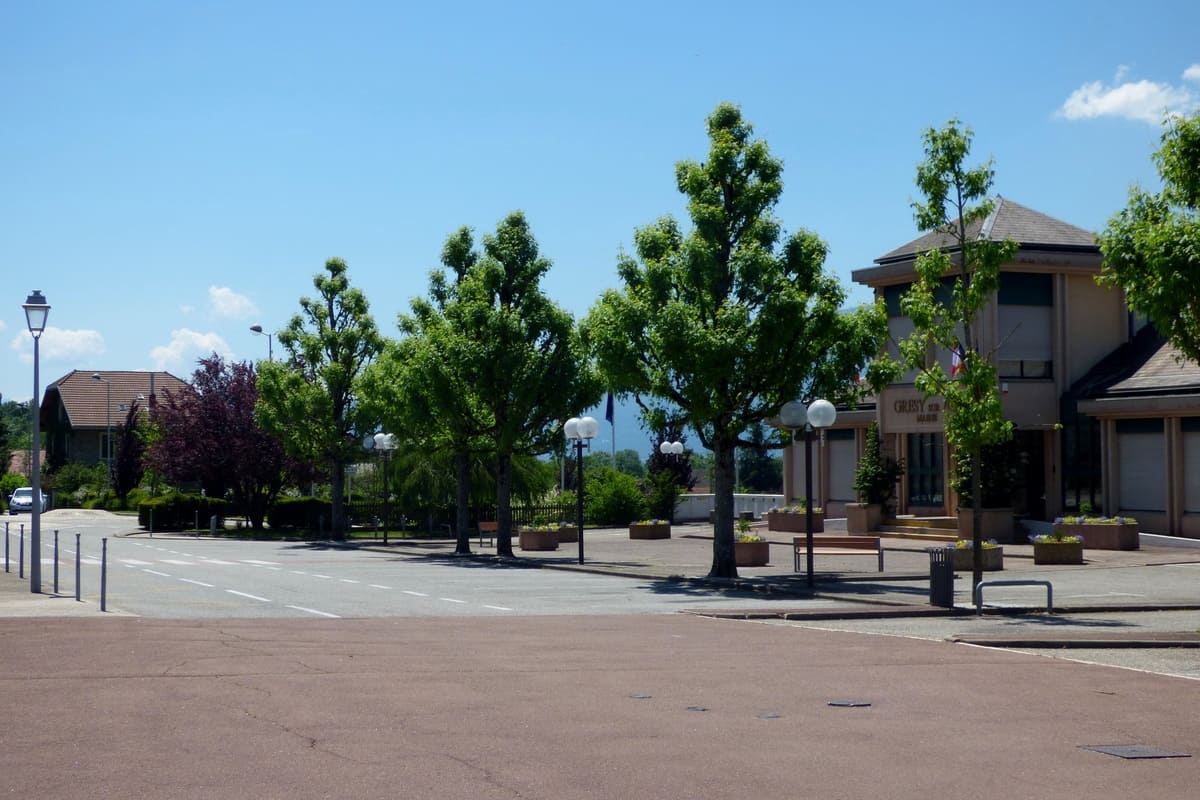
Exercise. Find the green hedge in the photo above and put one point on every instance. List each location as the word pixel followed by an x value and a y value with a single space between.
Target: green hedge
pixel 179 511
pixel 310 513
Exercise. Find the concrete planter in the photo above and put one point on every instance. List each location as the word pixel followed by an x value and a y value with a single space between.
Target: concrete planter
pixel 538 540
pixel 650 530
pixel 752 554
pixel 863 517
pixel 568 534
pixel 1057 553
pixel 995 523
pixel 794 521
pixel 1098 536
pixel 993 559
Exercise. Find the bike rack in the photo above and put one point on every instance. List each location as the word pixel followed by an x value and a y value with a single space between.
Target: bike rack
pixel 979 592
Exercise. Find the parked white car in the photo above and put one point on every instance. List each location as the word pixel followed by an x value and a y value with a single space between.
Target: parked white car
pixel 22 500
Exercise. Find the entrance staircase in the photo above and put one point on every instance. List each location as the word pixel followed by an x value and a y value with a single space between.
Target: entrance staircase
pixel 929 529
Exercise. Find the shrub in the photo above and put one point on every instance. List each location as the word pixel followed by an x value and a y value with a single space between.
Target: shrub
pixel 612 498
pixel 876 474
pixel 180 511
pixel 300 512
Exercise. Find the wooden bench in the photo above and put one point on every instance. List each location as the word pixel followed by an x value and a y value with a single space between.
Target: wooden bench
pixel 487 527
pixel 825 545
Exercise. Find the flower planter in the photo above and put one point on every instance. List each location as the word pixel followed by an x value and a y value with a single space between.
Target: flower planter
pixel 1098 536
pixel 1057 552
pixel 650 530
pixel 752 554
pixel 538 540
pixel 794 521
pixel 862 517
pixel 995 523
pixel 964 559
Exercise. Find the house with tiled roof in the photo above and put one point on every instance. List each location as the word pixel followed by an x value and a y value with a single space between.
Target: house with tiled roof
pixel 83 410
pixel 1105 414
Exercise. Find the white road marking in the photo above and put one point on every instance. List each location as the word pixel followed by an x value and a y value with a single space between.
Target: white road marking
pixel 498 608
pixel 416 594
pixel 177 562
pixel 219 562
pixel 197 583
pixel 451 600
pixel 251 596
pixel 378 586
pixel 259 563
pixel 324 577
pixel 299 572
pixel 133 562
pixel 348 580
pixel 314 611
pixel 156 572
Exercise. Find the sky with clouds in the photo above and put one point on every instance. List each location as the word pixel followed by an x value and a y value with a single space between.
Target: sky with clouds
pixel 176 173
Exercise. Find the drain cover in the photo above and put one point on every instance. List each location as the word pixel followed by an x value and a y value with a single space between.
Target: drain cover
pixel 1133 751
pixel 768 715
pixel 641 696
pixel 850 703
pixel 697 708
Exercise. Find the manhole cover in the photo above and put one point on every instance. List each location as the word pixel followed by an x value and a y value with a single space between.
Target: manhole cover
pixel 849 703
pixel 1133 751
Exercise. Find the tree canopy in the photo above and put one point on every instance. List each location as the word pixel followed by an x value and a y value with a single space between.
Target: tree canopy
pixel 728 321
pixel 309 401
pixel 1152 247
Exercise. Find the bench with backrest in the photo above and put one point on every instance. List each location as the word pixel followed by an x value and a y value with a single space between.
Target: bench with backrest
pixel 488 528
pixel 826 545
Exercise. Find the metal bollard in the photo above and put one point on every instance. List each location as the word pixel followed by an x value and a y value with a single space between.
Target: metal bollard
pixel 212 525
pixel 6 547
pixel 78 556
pixel 151 523
pixel 21 559
pixel 104 574
pixel 56 560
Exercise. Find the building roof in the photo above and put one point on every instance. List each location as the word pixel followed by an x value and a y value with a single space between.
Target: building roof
pixel 85 399
pixel 1147 366
pixel 1008 220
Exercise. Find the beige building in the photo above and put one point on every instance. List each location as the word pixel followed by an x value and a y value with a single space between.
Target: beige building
pixel 1103 411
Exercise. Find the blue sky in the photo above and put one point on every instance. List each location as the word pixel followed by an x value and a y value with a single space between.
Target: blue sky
pixel 175 172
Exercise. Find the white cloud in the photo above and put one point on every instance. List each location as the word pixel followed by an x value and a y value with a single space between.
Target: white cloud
pixel 186 346
pixel 1143 100
pixel 59 344
pixel 225 303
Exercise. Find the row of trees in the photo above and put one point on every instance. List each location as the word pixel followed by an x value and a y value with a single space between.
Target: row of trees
pixel 713 329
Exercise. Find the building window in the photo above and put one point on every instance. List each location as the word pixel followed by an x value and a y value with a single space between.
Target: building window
pixel 1026 317
pixel 1141 454
pixel 1080 460
pixel 1191 464
pixel 926 475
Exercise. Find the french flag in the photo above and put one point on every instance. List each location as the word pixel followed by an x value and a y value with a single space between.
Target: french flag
pixel 956 360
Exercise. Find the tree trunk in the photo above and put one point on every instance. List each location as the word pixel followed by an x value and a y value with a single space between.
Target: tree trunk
pixel 337 525
pixel 724 564
pixel 504 505
pixel 462 464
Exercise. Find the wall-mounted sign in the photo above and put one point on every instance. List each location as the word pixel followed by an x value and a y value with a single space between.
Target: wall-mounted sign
pixel 905 409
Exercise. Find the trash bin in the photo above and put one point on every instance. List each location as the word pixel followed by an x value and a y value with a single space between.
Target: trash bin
pixel 941 577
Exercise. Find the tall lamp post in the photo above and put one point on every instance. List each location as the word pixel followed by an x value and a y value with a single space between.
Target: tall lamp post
pixel 36 312
pixel 107 429
pixel 270 335
pixel 819 415
pixel 581 431
pixel 385 443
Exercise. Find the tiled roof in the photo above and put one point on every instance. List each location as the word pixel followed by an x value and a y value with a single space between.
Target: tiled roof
pixel 1147 365
pixel 1008 220
pixel 84 397
pixel 1163 371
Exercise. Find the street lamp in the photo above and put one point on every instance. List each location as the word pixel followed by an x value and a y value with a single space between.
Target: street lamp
pixel 385 443
pixel 107 428
pixel 581 431
pixel 269 334
pixel 671 448
pixel 819 415
pixel 36 312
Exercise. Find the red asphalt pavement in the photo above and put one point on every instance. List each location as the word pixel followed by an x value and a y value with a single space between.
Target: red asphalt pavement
pixel 123 707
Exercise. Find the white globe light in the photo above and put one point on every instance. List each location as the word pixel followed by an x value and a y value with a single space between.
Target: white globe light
pixel 571 428
pixel 369 442
pixel 380 441
pixel 793 414
pixel 665 448
pixel 676 448
pixel 821 413
pixel 588 428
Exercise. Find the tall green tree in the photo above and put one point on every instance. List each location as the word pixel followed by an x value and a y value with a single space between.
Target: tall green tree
pixel 727 322
pixel 519 355
pixel 1152 247
pixel 955 205
pixel 308 401
pixel 131 452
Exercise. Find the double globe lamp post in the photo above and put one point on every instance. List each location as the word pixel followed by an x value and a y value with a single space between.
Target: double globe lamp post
pixel 385 444
pixel 819 415
pixel 36 312
pixel 581 431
